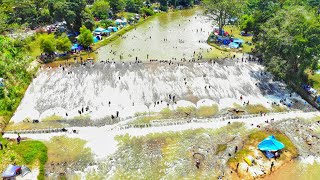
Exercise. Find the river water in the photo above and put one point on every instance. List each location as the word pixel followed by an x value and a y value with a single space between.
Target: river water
pixel 186 33
pixel 296 171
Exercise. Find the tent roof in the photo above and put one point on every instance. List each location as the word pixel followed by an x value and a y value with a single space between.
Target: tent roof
pixel 25 170
pixel 237 40
pixel 270 144
pixel 75 46
pixel 234 45
pixel 119 20
pixel 11 171
pixel 106 31
pixel 99 29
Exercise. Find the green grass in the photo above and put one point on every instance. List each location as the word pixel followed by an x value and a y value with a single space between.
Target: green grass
pixel 29 125
pixel 82 117
pixel 207 111
pixel 30 153
pixel 256 109
pixel 145 119
pixel 221 148
pixel 52 118
pixel 73 151
pixel 180 112
pixel 279 108
pixel 314 79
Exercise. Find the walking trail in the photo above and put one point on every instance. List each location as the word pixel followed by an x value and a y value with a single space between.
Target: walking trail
pixel 101 139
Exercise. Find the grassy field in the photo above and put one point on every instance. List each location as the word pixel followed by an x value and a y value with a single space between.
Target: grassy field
pixel 31 153
pixel 314 80
pixel 69 151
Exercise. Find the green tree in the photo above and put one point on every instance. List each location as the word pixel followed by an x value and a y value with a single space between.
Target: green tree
pixel 13 63
pixel 134 5
pixel 107 23
pixel 222 10
pixel 72 11
pixel 247 23
pixel 290 42
pixel 87 19
pixel 3 21
pixel 117 5
pixel 100 9
pixel 47 43
pixel 63 43
pixel 163 5
pixel 85 38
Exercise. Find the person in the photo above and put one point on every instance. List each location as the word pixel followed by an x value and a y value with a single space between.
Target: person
pixel 18 139
pixel 1 146
pixel 272 164
pixel 198 164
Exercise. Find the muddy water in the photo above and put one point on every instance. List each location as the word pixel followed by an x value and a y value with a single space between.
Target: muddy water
pixel 296 170
pixel 186 32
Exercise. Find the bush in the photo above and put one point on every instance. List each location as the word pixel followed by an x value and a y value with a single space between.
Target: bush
pixel 107 23
pixel 166 113
pixel 146 11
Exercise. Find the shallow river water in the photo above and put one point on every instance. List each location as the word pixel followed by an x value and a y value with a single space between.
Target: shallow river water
pixel 186 33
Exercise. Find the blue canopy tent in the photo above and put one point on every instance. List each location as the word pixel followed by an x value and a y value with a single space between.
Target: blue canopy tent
pixel 106 32
pixel 237 40
pixel 11 172
pixel 270 144
pixel 118 21
pixel 99 30
pixel 113 29
pixel 95 39
pixel 233 45
pixel 74 47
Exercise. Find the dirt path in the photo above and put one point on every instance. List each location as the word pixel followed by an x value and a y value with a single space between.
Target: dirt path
pixel 101 139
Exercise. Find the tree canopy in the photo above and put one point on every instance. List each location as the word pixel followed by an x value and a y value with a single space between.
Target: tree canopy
pixel 47 43
pixel 222 10
pixel 100 9
pixel 291 40
pixel 13 68
pixel 85 38
pixel 63 43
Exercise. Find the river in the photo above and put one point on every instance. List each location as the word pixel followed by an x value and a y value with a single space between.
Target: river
pixel 186 32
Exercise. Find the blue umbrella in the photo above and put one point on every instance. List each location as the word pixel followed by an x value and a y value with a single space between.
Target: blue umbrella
pixel 270 144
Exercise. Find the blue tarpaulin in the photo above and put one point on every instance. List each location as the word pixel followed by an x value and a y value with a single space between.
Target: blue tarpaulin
pixel 99 29
pixel 270 144
pixel 11 171
pixel 106 31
